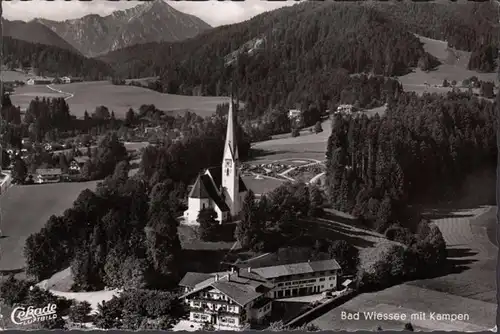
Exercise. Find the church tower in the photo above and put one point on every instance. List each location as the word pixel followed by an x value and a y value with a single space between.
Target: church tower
pixel 230 165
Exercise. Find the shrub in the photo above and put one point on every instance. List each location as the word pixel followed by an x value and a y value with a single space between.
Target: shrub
pixel 79 312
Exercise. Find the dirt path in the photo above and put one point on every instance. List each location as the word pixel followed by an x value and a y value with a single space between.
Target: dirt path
pixel 70 95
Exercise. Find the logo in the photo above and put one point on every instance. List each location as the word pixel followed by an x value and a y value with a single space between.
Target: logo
pixel 25 316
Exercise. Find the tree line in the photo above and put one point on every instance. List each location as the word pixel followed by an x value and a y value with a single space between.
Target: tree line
pixel 423 146
pixel 280 68
pixel 50 60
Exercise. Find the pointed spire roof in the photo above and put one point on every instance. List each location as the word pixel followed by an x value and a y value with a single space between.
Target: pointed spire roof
pixel 231 143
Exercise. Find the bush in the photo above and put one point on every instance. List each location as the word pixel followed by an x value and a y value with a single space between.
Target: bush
pixel 79 312
pixel 14 291
pixel 317 127
pixel 409 327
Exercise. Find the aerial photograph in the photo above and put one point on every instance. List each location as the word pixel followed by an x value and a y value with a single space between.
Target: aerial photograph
pixel 269 166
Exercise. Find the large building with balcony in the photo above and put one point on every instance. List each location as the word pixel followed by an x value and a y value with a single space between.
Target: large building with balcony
pixel 231 300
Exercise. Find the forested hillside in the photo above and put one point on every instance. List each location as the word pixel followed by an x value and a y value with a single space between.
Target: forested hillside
pixel 423 148
pixel 286 56
pixel 469 26
pixel 51 60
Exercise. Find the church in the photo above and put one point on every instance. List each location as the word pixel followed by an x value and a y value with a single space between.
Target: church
pixel 220 188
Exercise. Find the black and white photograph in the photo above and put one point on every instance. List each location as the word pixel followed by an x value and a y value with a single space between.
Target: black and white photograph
pixel 249 165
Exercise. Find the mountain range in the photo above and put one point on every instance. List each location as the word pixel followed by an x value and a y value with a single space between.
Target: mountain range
pixel 303 52
pixel 93 35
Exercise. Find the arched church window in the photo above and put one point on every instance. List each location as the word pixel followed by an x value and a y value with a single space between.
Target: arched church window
pixel 227 171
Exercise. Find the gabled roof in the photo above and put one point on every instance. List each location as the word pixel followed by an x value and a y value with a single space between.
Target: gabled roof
pixel 191 279
pixel 199 190
pixel 204 188
pixel 216 173
pixel 242 287
pixel 297 268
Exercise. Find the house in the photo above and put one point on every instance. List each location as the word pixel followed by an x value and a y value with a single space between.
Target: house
pixel 294 113
pixel 77 163
pixel 152 129
pixel 220 188
pixel 345 109
pixel 227 300
pixel 39 81
pixel 243 296
pixel 67 80
pixel 48 175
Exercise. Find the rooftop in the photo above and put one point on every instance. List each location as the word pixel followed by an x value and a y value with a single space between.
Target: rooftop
pixel 297 268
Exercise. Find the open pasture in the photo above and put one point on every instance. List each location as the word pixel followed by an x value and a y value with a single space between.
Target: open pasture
pixel 25 210
pixel 119 98
pixel 305 146
pixel 469 288
pixel 22 96
pixel 14 76
pixel 453 67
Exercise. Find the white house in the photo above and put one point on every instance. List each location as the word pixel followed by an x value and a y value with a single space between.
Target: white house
pixel 345 109
pixel 221 187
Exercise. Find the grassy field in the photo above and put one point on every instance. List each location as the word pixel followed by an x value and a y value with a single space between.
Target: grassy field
pixel 25 210
pixel 14 76
pixel 89 95
pixel 453 67
pixel 22 96
pixel 470 289
pixel 261 186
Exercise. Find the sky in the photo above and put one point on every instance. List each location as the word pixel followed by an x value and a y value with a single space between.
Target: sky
pixel 213 12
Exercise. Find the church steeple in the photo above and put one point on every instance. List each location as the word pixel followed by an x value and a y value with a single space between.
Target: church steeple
pixel 230 164
pixel 231 144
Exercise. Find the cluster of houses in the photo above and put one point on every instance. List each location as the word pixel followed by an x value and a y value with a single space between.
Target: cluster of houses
pixel 244 295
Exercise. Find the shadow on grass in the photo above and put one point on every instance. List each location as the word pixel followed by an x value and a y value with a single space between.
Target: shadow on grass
pixel 202 261
pixel 257 152
pixel 444 215
pixel 8 272
pixel 334 231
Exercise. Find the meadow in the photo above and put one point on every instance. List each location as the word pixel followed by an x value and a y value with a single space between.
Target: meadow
pixel 453 67
pixel 89 95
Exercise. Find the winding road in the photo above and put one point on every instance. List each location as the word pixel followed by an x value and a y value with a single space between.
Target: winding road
pixel 70 95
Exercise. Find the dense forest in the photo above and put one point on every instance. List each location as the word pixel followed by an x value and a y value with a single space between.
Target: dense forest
pixel 288 52
pixel 288 49
pixel 423 147
pixel 53 61
pixel 470 26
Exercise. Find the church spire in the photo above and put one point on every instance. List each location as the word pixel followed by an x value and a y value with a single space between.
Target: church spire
pixel 231 143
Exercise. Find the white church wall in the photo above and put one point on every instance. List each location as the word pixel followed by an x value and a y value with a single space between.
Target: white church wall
pixel 195 205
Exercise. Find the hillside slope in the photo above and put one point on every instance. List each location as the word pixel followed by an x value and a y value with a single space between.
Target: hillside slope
pixel 52 61
pixel 153 21
pixel 466 26
pixel 278 57
pixel 34 32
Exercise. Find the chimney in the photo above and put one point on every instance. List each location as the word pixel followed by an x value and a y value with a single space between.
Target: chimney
pixel 232 270
pixel 216 277
pixel 249 269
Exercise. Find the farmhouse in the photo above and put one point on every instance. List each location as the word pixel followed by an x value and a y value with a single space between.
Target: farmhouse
pixel 67 80
pixel 222 187
pixel 39 81
pixel 241 296
pixel 48 175
pixel 345 109
pixel 77 163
